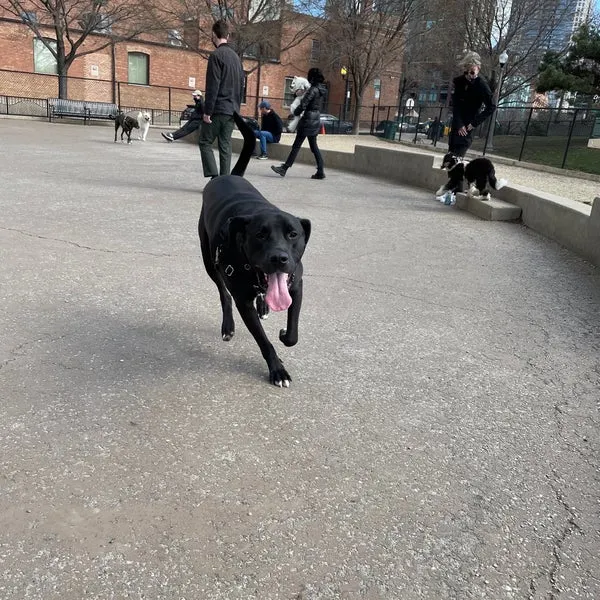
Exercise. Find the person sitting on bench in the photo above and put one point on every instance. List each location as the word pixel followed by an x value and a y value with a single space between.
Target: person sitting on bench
pixel 271 128
pixel 193 122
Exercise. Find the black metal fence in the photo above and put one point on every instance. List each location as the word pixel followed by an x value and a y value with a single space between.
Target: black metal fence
pixel 23 93
pixel 563 138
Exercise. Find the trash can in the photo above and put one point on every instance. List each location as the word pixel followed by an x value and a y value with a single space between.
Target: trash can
pixel 390 129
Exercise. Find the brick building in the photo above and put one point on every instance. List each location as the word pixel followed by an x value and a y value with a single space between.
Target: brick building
pixel 160 70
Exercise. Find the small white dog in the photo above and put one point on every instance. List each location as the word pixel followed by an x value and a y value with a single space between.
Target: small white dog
pixel 143 118
pixel 298 86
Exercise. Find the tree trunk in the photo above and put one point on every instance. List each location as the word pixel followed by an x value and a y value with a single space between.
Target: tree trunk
pixel 358 96
pixel 62 68
pixel 62 85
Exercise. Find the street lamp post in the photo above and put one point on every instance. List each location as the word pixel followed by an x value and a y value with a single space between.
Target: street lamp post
pixel 344 74
pixel 489 143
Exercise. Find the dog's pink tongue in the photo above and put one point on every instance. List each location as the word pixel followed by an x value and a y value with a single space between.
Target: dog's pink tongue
pixel 278 298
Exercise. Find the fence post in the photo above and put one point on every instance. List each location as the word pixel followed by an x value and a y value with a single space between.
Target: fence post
pixel 487 135
pixel 373 120
pixel 525 134
pixel 417 124
pixel 436 134
pixel 169 106
pixel 569 138
pixel 401 123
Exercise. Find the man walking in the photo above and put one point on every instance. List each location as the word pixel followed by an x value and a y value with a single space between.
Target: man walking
pixel 270 130
pixel 223 96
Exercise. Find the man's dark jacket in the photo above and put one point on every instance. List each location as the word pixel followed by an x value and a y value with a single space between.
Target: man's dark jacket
pixel 467 99
pixel 198 107
pixel 224 81
pixel 271 121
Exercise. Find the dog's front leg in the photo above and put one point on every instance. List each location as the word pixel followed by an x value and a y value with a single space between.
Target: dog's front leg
pixel 289 336
pixel 277 373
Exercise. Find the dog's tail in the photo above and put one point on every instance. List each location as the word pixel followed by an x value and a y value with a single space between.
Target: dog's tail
pixel 248 147
pixel 497 184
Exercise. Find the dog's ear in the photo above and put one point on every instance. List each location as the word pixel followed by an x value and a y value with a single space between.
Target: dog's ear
pixel 306 226
pixel 235 226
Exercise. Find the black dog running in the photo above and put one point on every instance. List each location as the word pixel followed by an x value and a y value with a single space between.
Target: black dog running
pixel 252 250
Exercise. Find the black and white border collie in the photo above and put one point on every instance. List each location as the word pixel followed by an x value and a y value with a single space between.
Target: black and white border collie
pixel 479 173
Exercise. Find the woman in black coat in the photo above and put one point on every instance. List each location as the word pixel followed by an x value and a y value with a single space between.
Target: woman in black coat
pixel 472 104
pixel 309 125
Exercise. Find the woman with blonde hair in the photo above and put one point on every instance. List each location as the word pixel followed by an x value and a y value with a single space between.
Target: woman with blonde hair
pixel 472 104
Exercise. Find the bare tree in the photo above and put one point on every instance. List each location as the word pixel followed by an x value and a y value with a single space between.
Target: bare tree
pixel 262 30
pixel 525 29
pixel 367 37
pixel 79 27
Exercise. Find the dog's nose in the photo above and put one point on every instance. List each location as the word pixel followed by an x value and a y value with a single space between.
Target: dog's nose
pixel 279 259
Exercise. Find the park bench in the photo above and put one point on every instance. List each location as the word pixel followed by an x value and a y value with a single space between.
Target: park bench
pixel 83 109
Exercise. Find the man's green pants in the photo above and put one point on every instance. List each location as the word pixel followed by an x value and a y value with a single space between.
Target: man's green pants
pixel 220 129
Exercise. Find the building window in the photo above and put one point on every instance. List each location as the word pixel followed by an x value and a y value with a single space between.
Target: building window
pixel 315 51
pixel 103 23
pixel 222 12
pixel 29 17
pixel 288 95
pixel 43 59
pixel 175 38
pixel 138 68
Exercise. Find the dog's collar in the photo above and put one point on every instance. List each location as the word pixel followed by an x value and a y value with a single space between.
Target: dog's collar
pixel 460 161
pixel 229 270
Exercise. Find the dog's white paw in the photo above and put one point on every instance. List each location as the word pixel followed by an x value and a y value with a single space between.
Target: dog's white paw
pixel 501 183
pixel 441 191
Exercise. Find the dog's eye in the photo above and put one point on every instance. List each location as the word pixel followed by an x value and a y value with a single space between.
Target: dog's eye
pixel 261 235
pixel 292 234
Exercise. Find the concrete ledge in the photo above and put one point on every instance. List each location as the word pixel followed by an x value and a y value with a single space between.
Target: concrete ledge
pixel 407 167
pixel 490 210
pixel 567 222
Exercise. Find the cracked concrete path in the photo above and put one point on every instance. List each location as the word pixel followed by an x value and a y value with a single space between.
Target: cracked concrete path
pixel 440 439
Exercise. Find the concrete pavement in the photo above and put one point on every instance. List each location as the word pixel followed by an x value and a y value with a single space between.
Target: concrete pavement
pixel 440 439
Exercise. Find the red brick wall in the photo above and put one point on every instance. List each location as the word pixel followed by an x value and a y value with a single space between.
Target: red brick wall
pixel 169 67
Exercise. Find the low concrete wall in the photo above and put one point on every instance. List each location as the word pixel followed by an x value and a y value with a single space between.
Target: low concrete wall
pixel 572 224
pixel 402 167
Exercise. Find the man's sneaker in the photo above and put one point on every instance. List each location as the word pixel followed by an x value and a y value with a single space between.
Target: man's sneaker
pixel 318 175
pixel 168 136
pixel 262 157
pixel 280 170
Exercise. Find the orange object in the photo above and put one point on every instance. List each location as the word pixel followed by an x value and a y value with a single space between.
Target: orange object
pixel 322 129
